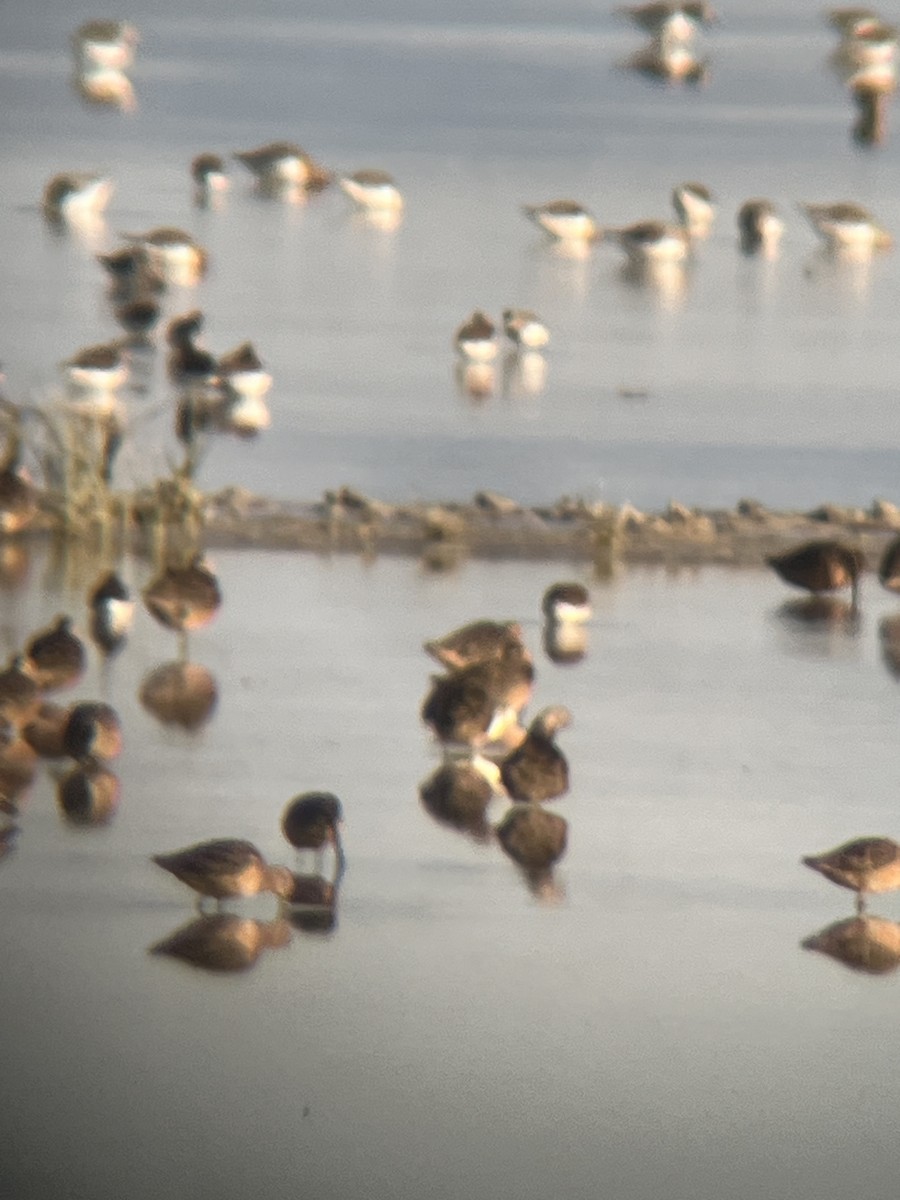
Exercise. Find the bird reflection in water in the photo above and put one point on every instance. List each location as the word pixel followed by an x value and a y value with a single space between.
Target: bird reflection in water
pixel 106 87
pixel 312 906
pixel 665 281
pixel 457 795
pixel 535 840
pixel 8 835
pixel 821 612
pixel 223 942
pixel 89 795
pixel 524 374
pixel 889 636
pixel 475 380
pixel 862 943
pixel 180 693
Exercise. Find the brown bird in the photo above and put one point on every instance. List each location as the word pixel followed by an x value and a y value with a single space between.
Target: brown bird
pixel 226 867
pixel 20 696
pixel 312 821
pixel 93 731
pixel 458 794
pixel 45 732
pixel 89 794
pixel 476 704
pixel 480 641
pixel 870 864
pixel 55 657
pixel 184 598
pixel 112 611
pixel 821 566
pixel 889 567
pixel 533 837
pixel 537 769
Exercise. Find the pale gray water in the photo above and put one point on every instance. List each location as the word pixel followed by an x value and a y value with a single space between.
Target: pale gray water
pixel 775 380
pixel 658 1030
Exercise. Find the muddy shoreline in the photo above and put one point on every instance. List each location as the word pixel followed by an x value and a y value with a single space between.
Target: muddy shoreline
pixel 491 526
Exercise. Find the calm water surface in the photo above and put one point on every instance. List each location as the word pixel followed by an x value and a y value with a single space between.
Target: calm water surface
pixel 658 1028
pixel 776 380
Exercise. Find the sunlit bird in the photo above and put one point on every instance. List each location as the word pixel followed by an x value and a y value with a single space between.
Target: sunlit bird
pixel 372 189
pixel 864 865
pixel 565 220
pixel 226 868
pixel 821 566
pixel 537 769
pixel 760 228
pixel 476 338
pixel 847 226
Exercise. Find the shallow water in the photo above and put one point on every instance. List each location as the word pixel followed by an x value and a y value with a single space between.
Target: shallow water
pixel 767 379
pixel 658 1027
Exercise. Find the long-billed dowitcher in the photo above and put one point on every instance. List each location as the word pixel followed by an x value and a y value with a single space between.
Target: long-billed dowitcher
pixel 476 338
pixel 76 196
pixel 695 208
pixel 537 769
pixel 93 731
pixel 479 641
pixel 478 703
pixel 847 226
pixel 821 566
pixel 184 598
pixel 760 228
pixel 312 821
pixel 55 657
pixel 278 164
pixel 565 220
pixel 869 864
pixel 226 867
pixel 525 329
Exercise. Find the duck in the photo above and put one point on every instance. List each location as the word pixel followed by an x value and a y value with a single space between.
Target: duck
pixel 476 338
pixel 184 597
pixel 76 196
pixel 312 820
pixel 111 611
pixel 847 226
pixel 223 942
pixel 564 220
pixel 536 770
pixel 89 794
pixel 868 864
pixel 55 657
pixel 695 208
pixel 533 837
pixel 760 228
pixel 479 641
pixel 283 163
pixel 525 329
pixel 821 566
pixel 652 242
pixel 372 189
pixel 226 868
pixel 93 731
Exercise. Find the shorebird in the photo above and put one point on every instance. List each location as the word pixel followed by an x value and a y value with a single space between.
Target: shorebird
pixel 226 867
pixel 847 226
pixel 18 495
pixel 223 941
pixel 75 196
pixel 184 598
pixel 111 611
pixel 55 657
pixel 105 43
pixel 209 175
pixel 846 20
pixel 97 371
pixel 871 96
pixel 821 566
pixel 525 329
pixel 870 864
pixel 280 164
pixel 760 228
pixel 676 20
pixel 175 254
pixel 889 567
pixel 372 189
pixel 479 703
pixel 694 207
pixel 44 733
pixel 479 641
pixel 188 363
pixel 20 696
pixel 652 242
pixel 533 837
pixel 93 731
pixel 565 220
pixel 537 769
pixel 242 371
pixel 566 602
pixel 312 821
pixel 476 338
